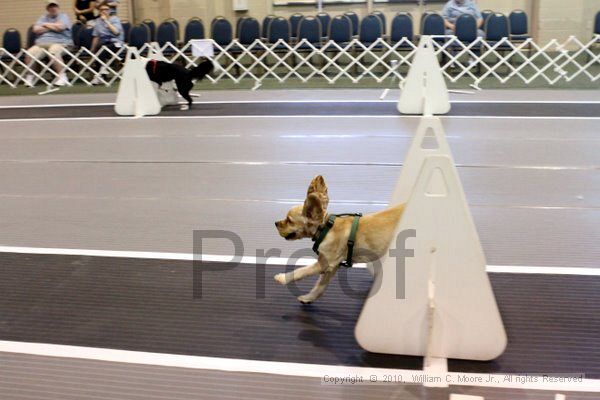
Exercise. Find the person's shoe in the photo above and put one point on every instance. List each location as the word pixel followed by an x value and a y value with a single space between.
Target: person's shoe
pixel 472 61
pixel 96 80
pixel 61 80
pixel 103 70
pixel 29 80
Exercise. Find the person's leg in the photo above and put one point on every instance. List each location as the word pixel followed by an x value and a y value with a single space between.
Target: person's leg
pixel 57 50
pixel 102 64
pixel 102 55
pixel 108 56
pixel 35 53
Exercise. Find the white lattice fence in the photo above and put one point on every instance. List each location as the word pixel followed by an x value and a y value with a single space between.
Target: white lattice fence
pixel 476 62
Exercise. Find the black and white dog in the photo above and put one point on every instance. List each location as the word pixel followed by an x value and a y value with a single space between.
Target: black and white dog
pixel 161 71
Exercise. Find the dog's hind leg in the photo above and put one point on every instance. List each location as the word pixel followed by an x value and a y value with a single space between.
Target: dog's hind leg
pixel 298 273
pixel 319 288
pixel 184 87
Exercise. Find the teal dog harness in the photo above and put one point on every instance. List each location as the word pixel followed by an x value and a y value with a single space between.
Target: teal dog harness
pixel 322 232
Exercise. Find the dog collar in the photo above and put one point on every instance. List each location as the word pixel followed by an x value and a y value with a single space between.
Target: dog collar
pixel 324 230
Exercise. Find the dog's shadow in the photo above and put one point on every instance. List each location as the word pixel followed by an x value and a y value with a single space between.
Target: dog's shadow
pixel 325 329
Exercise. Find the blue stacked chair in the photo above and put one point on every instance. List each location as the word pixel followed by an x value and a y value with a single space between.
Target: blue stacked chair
pixel 519 30
pixel 596 35
pixel 86 38
pixel 221 31
pixel 167 33
pixel 402 28
pixel 194 29
pixel 370 30
pixel 238 24
pixel 310 29
pixel 433 24
pixel 340 30
pixel 11 41
pixel 139 35
pixel 423 16
pixel 279 29
pixel 466 34
pixel 152 27
pixel 265 25
pixel 355 21
pixel 294 21
pixel 381 16
pixel 497 27
pixel 30 37
pixel 249 31
pixel 248 34
pixel 126 28
pixel 485 14
pixel 75 28
pixel 466 28
pixel 325 20
pixel 176 23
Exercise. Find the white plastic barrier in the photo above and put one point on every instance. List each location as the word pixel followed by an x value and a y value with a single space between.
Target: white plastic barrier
pixel 424 81
pixel 136 96
pixel 438 302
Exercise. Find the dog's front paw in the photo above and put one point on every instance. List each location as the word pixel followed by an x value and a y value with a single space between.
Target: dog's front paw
pixel 305 299
pixel 280 278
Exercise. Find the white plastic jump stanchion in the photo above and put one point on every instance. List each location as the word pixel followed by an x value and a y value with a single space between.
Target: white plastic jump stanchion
pixel 136 96
pixel 425 67
pixel 438 302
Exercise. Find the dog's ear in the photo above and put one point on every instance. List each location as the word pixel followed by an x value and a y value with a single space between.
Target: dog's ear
pixel 313 208
pixel 319 187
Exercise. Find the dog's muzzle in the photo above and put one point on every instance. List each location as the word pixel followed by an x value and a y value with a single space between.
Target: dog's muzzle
pixel 288 236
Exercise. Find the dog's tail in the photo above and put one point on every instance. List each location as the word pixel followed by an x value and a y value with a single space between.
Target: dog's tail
pixel 201 70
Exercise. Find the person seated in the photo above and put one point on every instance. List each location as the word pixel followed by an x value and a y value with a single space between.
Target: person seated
pixel 455 8
pixel 84 10
pixel 108 33
pixel 53 34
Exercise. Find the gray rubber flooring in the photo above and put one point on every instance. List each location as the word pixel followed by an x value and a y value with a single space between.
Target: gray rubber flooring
pixel 147 184
pixel 26 377
pixel 238 312
pixel 310 108
pixel 533 186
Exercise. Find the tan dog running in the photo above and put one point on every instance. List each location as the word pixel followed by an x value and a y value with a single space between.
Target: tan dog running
pixel 373 237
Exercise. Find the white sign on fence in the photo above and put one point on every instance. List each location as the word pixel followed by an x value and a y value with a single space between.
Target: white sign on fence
pixel 202 48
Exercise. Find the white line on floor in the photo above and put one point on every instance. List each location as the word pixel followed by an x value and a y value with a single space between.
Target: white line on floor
pixel 29 120
pixel 435 366
pixel 512 269
pixel 318 371
pixel 474 101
